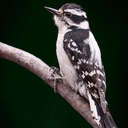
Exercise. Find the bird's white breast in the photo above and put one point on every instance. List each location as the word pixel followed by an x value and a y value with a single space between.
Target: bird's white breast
pixel 65 65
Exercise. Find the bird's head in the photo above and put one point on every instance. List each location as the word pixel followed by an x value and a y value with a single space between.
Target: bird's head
pixel 68 15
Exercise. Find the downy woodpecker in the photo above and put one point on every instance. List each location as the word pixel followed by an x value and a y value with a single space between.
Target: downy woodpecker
pixel 80 61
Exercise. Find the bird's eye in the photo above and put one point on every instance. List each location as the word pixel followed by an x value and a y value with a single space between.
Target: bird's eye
pixel 68 14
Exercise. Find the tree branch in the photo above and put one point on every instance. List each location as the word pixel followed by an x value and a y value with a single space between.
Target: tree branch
pixel 42 70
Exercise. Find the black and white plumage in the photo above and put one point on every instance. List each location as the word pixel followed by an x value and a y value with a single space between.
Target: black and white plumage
pixel 80 61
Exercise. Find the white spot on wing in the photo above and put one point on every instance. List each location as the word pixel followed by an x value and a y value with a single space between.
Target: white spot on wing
pixel 92 73
pixel 86 73
pixel 79 61
pixel 76 66
pixel 100 73
pixel 65 40
pixel 69 45
pixel 83 76
pixel 83 60
pixel 90 84
pixel 74 44
pixel 71 40
pixel 73 57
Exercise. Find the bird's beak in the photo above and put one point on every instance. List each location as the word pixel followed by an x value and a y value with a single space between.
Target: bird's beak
pixel 53 11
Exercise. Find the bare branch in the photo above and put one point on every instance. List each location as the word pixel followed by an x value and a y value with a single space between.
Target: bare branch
pixel 42 70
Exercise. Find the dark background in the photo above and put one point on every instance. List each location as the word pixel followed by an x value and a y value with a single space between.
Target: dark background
pixel 25 100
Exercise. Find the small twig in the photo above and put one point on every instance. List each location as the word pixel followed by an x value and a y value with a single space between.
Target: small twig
pixel 42 70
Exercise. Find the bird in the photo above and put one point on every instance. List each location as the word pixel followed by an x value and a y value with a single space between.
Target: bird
pixel 80 61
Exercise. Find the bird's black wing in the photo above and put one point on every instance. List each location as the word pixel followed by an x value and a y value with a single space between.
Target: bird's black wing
pixel 78 51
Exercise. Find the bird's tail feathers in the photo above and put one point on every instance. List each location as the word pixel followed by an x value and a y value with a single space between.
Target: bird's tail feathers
pixel 106 120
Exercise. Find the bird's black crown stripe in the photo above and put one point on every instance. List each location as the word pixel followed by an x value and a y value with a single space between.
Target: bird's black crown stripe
pixel 71 6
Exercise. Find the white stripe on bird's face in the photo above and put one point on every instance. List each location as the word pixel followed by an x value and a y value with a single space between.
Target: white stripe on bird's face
pixel 77 12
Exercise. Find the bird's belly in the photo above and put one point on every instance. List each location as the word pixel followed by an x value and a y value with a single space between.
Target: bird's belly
pixel 65 66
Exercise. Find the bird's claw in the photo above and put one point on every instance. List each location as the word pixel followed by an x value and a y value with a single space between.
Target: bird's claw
pixel 56 76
